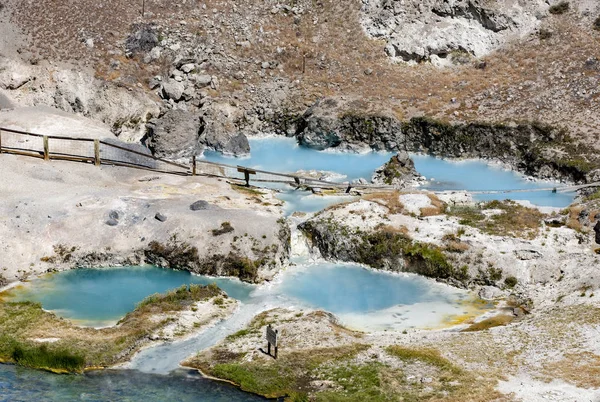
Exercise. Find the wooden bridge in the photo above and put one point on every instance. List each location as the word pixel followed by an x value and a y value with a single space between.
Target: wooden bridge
pixel 116 153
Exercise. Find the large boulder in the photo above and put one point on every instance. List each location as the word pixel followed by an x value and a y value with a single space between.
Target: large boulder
pixel 173 90
pixel 175 134
pixel 220 131
pixel 398 172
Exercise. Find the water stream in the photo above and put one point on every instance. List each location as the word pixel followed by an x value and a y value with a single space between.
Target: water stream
pixel 362 299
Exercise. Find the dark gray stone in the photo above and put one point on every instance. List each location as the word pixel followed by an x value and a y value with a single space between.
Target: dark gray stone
pixel 112 222
pixel 160 217
pixel 199 205
pixel 113 215
pixel 174 135
pixel 220 131
pixel 597 230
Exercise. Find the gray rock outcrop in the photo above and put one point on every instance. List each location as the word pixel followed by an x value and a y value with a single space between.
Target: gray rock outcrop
pixel 175 134
pixel 347 125
pixel 353 125
pixel 220 132
pixel 199 205
pixel 423 30
pixel 398 172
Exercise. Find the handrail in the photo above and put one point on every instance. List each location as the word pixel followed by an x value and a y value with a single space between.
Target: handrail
pixel 190 169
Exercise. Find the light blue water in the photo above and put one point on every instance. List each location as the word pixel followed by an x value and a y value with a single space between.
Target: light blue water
pixel 281 154
pixel 347 288
pixel 100 297
pixel 306 201
pixel 477 175
pixel 21 384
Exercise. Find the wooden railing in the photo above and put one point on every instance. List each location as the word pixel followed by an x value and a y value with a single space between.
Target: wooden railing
pixel 116 153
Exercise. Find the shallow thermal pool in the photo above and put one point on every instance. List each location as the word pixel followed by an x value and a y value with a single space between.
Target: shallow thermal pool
pixel 282 154
pixel 362 298
pixel 100 297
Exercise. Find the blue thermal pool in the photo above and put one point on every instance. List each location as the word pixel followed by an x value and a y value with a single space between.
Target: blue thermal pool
pixel 100 297
pixel 282 154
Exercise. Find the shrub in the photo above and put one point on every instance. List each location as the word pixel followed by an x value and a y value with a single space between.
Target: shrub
pixel 510 281
pixel 225 228
pixel 545 34
pixel 559 8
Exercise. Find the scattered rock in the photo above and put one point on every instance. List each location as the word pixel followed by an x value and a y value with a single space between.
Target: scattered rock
pixel 188 68
pixel 597 230
pixel 112 222
pixel 113 215
pixel 160 217
pixel 220 132
pixel 490 293
pixel 555 221
pixel 173 89
pixel 203 81
pixel 397 172
pixel 527 254
pixel 144 37
pixel 199 205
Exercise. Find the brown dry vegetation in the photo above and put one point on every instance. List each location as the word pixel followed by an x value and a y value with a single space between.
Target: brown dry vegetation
pixel 512 220
pixel 390 200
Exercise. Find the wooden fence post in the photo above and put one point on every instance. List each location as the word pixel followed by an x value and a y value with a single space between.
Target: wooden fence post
pixel 193 165
pixel 97 152
pixel 46 149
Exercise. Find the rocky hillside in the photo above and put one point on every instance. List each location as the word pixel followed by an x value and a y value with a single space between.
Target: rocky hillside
pixel 243 67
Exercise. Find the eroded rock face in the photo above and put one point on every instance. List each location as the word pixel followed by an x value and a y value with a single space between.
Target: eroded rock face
pixel 220 131
pixel 352 125
pixel 347 125
pixel 397 172
pixel 422 30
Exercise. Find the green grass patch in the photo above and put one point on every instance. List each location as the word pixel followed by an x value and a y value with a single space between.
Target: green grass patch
pixel 272 381
pixel 358 383
pixel 41 356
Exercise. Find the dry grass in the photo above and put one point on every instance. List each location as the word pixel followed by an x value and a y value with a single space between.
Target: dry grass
pixel 389 200
pixel 573 218
pixel 512 220
pixel 581 369
pixel 528 80
pixel 496 321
